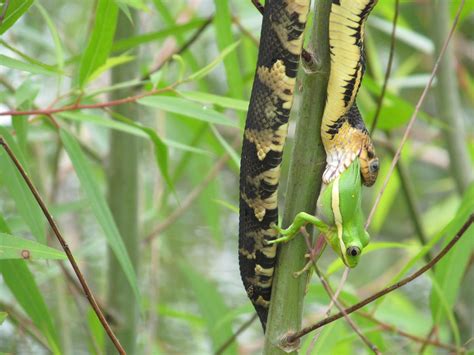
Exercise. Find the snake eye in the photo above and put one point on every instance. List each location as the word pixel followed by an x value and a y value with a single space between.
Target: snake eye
pixel 374 166
pixel 353 251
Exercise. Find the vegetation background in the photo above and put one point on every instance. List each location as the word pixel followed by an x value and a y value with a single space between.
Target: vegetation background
pixel 145 192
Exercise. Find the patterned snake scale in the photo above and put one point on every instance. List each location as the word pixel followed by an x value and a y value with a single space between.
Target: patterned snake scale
pixel 343 131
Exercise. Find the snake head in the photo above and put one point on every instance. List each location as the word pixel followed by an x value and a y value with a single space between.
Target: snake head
pixel 369 163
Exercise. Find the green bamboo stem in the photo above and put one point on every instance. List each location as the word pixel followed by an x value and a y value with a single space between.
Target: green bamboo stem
pixel 304 184
pixel 123 200
pixel 447 100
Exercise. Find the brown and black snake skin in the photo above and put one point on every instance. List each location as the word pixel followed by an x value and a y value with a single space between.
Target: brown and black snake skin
pixel 343 131
pixel 265 133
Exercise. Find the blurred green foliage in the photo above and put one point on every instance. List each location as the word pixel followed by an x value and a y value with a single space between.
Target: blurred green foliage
pixel 59 54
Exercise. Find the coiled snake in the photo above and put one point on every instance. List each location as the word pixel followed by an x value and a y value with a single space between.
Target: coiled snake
pixel 343 132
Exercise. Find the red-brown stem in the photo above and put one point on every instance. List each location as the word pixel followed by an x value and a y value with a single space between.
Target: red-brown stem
pixel 75 107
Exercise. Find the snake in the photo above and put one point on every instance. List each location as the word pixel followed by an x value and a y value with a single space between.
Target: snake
pixel 343 132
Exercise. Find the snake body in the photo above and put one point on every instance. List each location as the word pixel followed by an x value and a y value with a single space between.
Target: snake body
pixel 343 131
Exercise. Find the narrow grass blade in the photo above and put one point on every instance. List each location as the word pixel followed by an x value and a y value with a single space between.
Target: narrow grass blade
pixel 22 285
pixel 99 207
pixel 16 9
pixel 19 248
pixel 212 307
pixel 25 202
pixel 187 108
pixel 100 42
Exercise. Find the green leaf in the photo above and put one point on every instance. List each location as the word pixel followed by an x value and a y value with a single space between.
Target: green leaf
pixel 124 127
pixel 109 64
pixel 187 108
pixel 212 308
pixel 217 100
pixel 405 35
pixel 224 37
pixel 3 316
pixel 137 4
pixel 201 73
pixel 99 207
pixel 31 61
pixel 101 39
pixel 446 308
pixel 16 64
pixel 235 158
pixel 24 200
pixel 58 48
pixel 160 148
pixel 18 248
pixel 96 329
pixel 134 41
pixel 155 78
pixel 327 340
pixel 16 9
pixel 467 206
pixel 450 270
pixel 22 285
pixel 229 206
pixel 189 317
pixel 373 246
pixel 466 11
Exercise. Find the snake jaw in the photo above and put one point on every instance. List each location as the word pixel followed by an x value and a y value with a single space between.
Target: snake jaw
pixel 369 163
pixel 337 162
pixel 346 146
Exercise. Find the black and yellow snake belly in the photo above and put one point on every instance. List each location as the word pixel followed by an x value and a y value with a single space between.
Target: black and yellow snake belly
pixel 343 131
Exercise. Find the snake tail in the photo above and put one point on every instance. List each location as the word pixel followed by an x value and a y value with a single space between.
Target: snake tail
pixel 264 137
pixel 343 131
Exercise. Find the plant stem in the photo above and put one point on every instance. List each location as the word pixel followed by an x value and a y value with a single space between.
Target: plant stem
pixel 123 199
pixel 304 183
pixel 447 100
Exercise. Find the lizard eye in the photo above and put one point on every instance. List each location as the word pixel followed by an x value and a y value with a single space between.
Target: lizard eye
pixel 374 166
pixel 353 251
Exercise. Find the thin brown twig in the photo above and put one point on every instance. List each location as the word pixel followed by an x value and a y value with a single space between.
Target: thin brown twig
pixel 293 337
pixel 410 336
pixel 410 197
pixel 229 341
pixel 428 338
pixel 394 329
pixel 415 114
pixel 334 296
pixel 389 68
pixel 87 291
pixel 351 323
pixel 244 31
pixel 181 49
pixel 86 328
